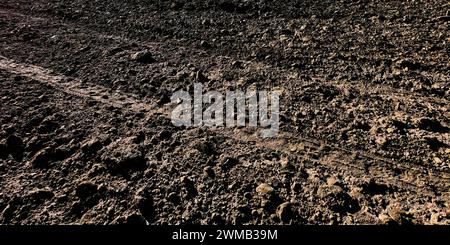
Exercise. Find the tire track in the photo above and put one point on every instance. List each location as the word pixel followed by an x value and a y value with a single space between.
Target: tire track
pixel 284 143
pixel 76 87
pixel 340 157
pixel 127 101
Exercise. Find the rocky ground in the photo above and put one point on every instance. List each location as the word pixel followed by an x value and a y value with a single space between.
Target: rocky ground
pixel 86 136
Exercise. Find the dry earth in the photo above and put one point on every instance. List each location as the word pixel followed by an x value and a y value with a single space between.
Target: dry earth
pixel 86 136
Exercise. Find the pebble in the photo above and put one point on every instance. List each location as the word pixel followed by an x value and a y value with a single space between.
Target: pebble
pixel 333 181
pixel 398 215
pixel 264 189
pixel 286 164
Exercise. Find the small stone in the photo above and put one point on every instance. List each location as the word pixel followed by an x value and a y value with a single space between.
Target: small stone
pixel 337 199
pixel 399 216
pixel 206 148
pixel 435 218
pixel 382 141
pixel 48 125
pixel 356 193
pixel 264 189
pixel 385 219
pixel 333 181
pixel 143 57
pixel 86 189
pixel 373 187
pixel 437 160
pixel 285 164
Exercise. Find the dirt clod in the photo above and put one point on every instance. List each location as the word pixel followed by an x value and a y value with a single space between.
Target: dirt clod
pixel 86 189
pixel 143 56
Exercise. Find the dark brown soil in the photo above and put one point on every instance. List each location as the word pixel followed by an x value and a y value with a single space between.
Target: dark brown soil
pixel 86 135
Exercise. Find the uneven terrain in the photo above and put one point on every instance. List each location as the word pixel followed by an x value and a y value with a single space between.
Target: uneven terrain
pixel 86 135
